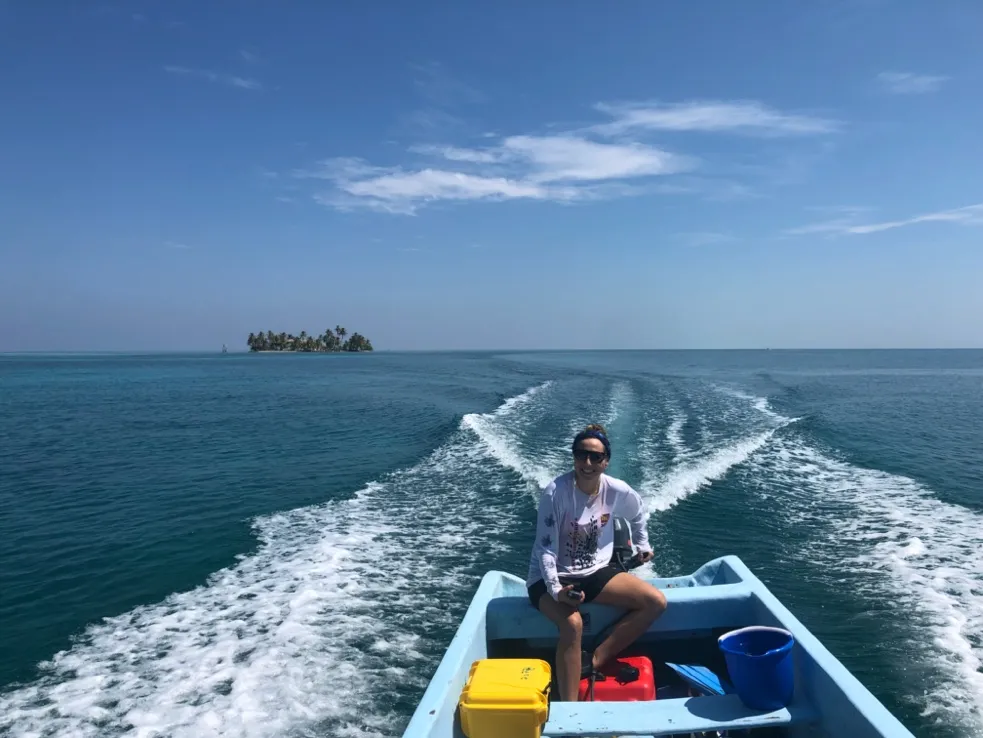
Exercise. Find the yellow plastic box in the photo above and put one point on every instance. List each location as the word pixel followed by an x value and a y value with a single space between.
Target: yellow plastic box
pixel 505 698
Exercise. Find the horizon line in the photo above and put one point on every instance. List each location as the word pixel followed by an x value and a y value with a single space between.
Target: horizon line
pixel 208 352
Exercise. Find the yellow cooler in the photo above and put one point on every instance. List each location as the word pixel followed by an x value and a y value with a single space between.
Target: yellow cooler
pixel 505 698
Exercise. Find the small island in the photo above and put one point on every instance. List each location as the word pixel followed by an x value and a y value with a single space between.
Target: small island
pixel 328 341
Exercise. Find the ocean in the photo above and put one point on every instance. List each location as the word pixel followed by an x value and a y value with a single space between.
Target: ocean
pixel 283 545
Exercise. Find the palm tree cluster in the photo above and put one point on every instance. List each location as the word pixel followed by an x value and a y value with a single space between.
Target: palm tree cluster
pixel 328 341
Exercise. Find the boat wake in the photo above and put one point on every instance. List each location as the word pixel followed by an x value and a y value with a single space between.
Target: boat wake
pixel 665 489
pixel 335 623
pixel 689 471
pixel 497 432
pixel 674 434
pixel 330 628
pixel 897 543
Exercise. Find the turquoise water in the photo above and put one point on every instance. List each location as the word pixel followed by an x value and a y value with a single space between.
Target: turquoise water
pixel 270 545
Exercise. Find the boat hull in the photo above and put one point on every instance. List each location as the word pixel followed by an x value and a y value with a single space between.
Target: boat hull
pixel 721 595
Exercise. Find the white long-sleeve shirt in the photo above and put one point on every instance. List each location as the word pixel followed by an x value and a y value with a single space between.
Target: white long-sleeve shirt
pixel 574 532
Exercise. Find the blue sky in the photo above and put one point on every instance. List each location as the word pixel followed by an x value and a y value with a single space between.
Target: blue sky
pixel 176 174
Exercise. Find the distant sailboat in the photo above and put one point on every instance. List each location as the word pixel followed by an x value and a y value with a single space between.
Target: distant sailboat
pixel 224 349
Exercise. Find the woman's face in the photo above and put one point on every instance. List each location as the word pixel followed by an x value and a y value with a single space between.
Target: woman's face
pixel 590 459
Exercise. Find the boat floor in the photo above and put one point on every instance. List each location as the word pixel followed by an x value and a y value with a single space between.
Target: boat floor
pixel 677 705
pixel 701 651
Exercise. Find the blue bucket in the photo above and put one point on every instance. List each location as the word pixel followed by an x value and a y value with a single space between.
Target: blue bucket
pixel 759 660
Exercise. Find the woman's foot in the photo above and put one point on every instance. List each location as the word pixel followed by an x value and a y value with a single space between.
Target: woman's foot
pixel 586 664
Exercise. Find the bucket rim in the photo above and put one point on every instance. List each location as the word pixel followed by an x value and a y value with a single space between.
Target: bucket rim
pixel 757 629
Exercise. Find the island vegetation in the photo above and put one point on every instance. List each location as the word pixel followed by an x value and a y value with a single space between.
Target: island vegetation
pixel 330 340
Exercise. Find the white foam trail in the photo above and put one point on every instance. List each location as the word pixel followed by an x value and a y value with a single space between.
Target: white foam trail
pixel 621 397
pixel 906 546
pixel 500 441
pixel 315 633
pixel 512 403
pixel 760 404
pixel 691 471
pixel 690 476
pixel 674 434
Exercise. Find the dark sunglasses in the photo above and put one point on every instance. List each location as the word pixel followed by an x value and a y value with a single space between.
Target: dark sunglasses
pixel 596 457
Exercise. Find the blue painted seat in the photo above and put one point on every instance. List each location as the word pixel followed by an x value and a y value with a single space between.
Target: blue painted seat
pixel 690 610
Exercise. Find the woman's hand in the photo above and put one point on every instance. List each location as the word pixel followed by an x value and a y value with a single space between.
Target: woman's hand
pixel 569 596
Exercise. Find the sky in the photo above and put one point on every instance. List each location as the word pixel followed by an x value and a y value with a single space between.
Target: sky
pixel 507 175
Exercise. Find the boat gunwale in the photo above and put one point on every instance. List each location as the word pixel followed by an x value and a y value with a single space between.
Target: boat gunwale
pixel 451 670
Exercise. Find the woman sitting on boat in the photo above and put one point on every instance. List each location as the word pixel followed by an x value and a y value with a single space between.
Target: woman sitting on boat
pixel 571 559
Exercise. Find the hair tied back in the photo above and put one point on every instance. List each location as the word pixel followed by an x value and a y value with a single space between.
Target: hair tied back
pixel 594 430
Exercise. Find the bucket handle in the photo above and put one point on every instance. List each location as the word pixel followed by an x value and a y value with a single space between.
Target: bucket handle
pixel 758 628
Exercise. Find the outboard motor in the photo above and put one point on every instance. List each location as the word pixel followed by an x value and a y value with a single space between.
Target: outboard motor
pixel 624 553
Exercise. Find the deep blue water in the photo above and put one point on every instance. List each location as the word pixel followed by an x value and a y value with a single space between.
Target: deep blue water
pixel 210 545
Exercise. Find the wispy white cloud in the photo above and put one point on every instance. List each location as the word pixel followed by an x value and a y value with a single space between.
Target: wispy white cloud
pixel 906 83
pixel 556 168
pixel 456 153
pixel 971 215
pixel 604 161
pixel 431 184
pixel 968 215
pixel 835 226
pixel 566 157
pixel 346 203
pixel 176 245
pixel 342 169
pixel 216 77
pixel 742 116
pixel 559 158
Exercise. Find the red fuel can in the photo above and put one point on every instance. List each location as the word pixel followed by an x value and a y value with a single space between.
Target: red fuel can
pixel 619 682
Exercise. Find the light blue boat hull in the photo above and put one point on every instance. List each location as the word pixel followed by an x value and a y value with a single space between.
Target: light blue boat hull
pixel 722 594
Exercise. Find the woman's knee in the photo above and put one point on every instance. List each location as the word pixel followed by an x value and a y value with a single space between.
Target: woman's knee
pixel 655 602
pixel 571 627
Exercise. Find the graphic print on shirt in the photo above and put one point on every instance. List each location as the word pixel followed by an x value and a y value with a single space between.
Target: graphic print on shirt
pixel 547 540
pixel 582 543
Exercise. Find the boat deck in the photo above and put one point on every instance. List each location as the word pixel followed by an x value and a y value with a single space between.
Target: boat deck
pixel 676 708
pixel 678 716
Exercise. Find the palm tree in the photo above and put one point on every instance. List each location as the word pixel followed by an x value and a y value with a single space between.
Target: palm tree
pixel 330 341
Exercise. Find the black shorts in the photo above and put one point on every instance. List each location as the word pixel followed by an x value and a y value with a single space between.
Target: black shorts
pixel 591 585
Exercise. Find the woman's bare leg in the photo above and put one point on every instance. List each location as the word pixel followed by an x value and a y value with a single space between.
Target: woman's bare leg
pixel 645 604
pixel 571 627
